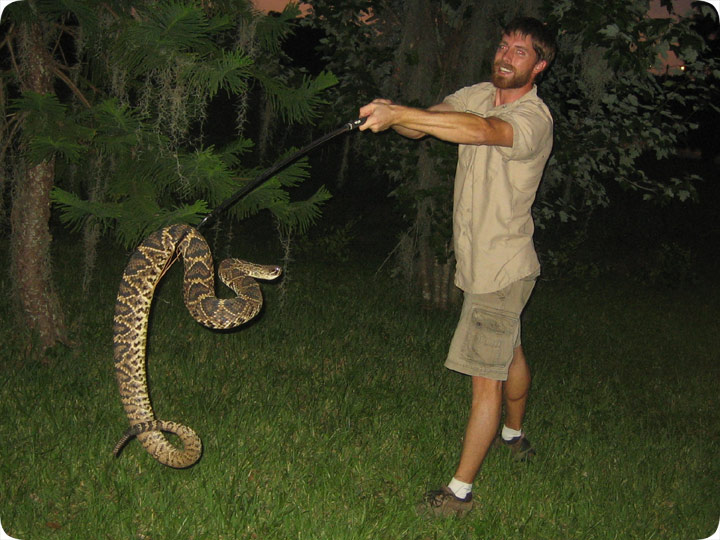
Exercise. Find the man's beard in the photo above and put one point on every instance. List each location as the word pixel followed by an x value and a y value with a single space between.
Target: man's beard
pixel 517 80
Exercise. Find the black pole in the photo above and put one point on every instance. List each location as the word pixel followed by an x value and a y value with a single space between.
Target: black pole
pixel 268 173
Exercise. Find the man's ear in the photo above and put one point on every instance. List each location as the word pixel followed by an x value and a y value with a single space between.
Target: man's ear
pixel 541 65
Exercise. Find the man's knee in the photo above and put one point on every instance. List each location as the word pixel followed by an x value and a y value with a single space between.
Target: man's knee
pixel 486 390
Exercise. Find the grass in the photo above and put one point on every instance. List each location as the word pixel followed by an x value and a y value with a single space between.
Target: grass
pixel 329 416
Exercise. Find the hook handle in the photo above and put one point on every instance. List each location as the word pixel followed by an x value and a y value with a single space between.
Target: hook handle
pixel 355 123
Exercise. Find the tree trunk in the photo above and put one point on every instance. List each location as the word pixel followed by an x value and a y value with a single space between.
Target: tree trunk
pixel 30 237
pixel 432 276
pixel 436 56
pixel 435 276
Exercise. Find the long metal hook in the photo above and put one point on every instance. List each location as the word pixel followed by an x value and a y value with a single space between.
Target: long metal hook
pixel 265 175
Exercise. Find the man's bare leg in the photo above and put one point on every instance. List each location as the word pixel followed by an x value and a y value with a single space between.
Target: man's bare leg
pixel 481 427
pixel 485 413
pixel 516 389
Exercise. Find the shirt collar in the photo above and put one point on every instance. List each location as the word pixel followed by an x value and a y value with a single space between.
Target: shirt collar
pixel 531 94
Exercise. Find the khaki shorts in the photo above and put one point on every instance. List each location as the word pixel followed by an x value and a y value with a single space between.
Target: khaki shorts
pixel 489 331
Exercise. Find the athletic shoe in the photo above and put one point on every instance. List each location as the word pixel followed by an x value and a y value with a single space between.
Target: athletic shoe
pixel 520 448
pixel 444 503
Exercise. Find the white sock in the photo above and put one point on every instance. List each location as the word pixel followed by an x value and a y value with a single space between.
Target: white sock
pixel 508 434
pixel 460 489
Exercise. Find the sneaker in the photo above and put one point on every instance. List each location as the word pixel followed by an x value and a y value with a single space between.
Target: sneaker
pixel 444 503
pixel 520 448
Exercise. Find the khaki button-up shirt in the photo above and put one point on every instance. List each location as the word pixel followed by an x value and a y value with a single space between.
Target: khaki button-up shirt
pixel 494 191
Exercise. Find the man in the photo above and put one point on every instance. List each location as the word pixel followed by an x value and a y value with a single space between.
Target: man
pixel 505 135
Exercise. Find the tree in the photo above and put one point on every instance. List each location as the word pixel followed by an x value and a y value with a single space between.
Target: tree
pixel 30 264
pixel 614 105
pixel 123 117
pixel 611 109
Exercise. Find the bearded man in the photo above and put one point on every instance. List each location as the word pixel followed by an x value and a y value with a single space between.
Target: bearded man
pixel 504 132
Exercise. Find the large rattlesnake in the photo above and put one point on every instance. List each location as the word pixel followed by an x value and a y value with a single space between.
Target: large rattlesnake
pixel 143 272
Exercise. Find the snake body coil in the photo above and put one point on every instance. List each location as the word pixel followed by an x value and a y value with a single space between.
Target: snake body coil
pixel 132 309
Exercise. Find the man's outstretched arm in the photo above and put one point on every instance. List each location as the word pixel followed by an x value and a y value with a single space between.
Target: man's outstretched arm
pixel 439 121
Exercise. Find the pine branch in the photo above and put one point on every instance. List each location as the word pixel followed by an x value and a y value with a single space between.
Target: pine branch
pixel 272 30
pixel 297 104
pixel 298 216
pixel 230 71
pixel 74 211
pixel 130 226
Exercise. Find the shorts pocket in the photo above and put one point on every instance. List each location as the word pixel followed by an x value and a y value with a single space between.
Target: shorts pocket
pixel 493 335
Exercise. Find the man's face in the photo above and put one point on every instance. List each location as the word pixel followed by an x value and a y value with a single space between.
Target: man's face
pixel 516 62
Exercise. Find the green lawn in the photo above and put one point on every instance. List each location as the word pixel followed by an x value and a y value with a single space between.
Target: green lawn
pixel 329 416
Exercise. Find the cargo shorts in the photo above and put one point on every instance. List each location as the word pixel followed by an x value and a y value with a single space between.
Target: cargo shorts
pixel 489 330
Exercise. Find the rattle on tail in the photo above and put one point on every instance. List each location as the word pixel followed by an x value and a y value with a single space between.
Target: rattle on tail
pixel 132 308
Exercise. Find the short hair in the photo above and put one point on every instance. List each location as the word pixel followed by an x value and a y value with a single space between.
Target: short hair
pixel 542 38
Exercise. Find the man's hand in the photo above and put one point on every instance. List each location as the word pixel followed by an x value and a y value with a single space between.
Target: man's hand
pixel 382 114
pixel 378 115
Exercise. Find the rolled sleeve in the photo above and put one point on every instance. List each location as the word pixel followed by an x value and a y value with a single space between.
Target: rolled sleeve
pixel 532 127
